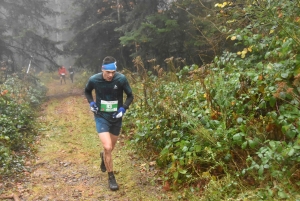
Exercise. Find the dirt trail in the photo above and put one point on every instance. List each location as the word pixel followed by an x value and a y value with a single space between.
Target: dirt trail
pixel 67 162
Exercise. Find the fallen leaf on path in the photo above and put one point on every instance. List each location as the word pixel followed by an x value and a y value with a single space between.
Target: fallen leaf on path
pixel 166 187
pixel 152 163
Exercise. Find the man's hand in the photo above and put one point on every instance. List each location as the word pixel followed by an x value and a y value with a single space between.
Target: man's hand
pixel 121 111
pixel 94 107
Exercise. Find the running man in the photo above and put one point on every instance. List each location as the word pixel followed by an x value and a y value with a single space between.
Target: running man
pixel 71 71
pixel 62 73
pixel 108 109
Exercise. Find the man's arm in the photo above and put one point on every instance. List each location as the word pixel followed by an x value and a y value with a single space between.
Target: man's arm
pixel 88 91
pixel 128 92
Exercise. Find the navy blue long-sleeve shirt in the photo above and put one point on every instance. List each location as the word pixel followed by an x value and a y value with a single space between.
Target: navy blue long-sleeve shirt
pixel 109 91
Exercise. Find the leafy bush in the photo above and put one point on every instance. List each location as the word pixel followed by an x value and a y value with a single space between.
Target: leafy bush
pixel 168 124
pixel 18 101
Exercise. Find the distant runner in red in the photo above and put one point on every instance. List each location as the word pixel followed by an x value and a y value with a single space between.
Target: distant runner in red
pixel 62 73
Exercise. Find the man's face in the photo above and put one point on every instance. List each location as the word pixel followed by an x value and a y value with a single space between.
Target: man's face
pixel 108 74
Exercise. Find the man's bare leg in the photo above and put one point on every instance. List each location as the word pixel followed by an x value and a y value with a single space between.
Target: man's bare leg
pixel 108 142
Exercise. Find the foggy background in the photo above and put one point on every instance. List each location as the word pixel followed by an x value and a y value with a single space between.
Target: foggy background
pixel 67 11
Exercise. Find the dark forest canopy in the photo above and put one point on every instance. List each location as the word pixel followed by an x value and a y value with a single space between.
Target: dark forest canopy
pixel 24 31
pixel 156 29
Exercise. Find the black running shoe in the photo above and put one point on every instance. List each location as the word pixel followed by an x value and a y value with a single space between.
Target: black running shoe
pixel 102 166
pixel 112 183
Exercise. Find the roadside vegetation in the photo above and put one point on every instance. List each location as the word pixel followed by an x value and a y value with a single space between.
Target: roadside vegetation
pixel 228 129
pixel 20 97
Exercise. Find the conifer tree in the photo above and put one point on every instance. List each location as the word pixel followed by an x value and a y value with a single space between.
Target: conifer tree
pixel 24 32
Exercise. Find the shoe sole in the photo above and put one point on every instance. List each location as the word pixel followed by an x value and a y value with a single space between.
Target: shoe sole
pixel 112 189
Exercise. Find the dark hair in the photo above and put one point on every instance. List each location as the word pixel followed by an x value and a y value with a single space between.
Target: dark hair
pixel 108 60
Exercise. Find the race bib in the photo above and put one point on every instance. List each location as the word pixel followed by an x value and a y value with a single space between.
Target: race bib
pixel 62 74
pixel 109 106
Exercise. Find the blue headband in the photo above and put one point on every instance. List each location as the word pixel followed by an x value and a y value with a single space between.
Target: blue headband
pixel 111 66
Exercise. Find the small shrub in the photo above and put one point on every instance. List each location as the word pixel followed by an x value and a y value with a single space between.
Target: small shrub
pixel 18 101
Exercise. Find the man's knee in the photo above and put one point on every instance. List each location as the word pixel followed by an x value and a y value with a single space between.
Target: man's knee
pixel 107 148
